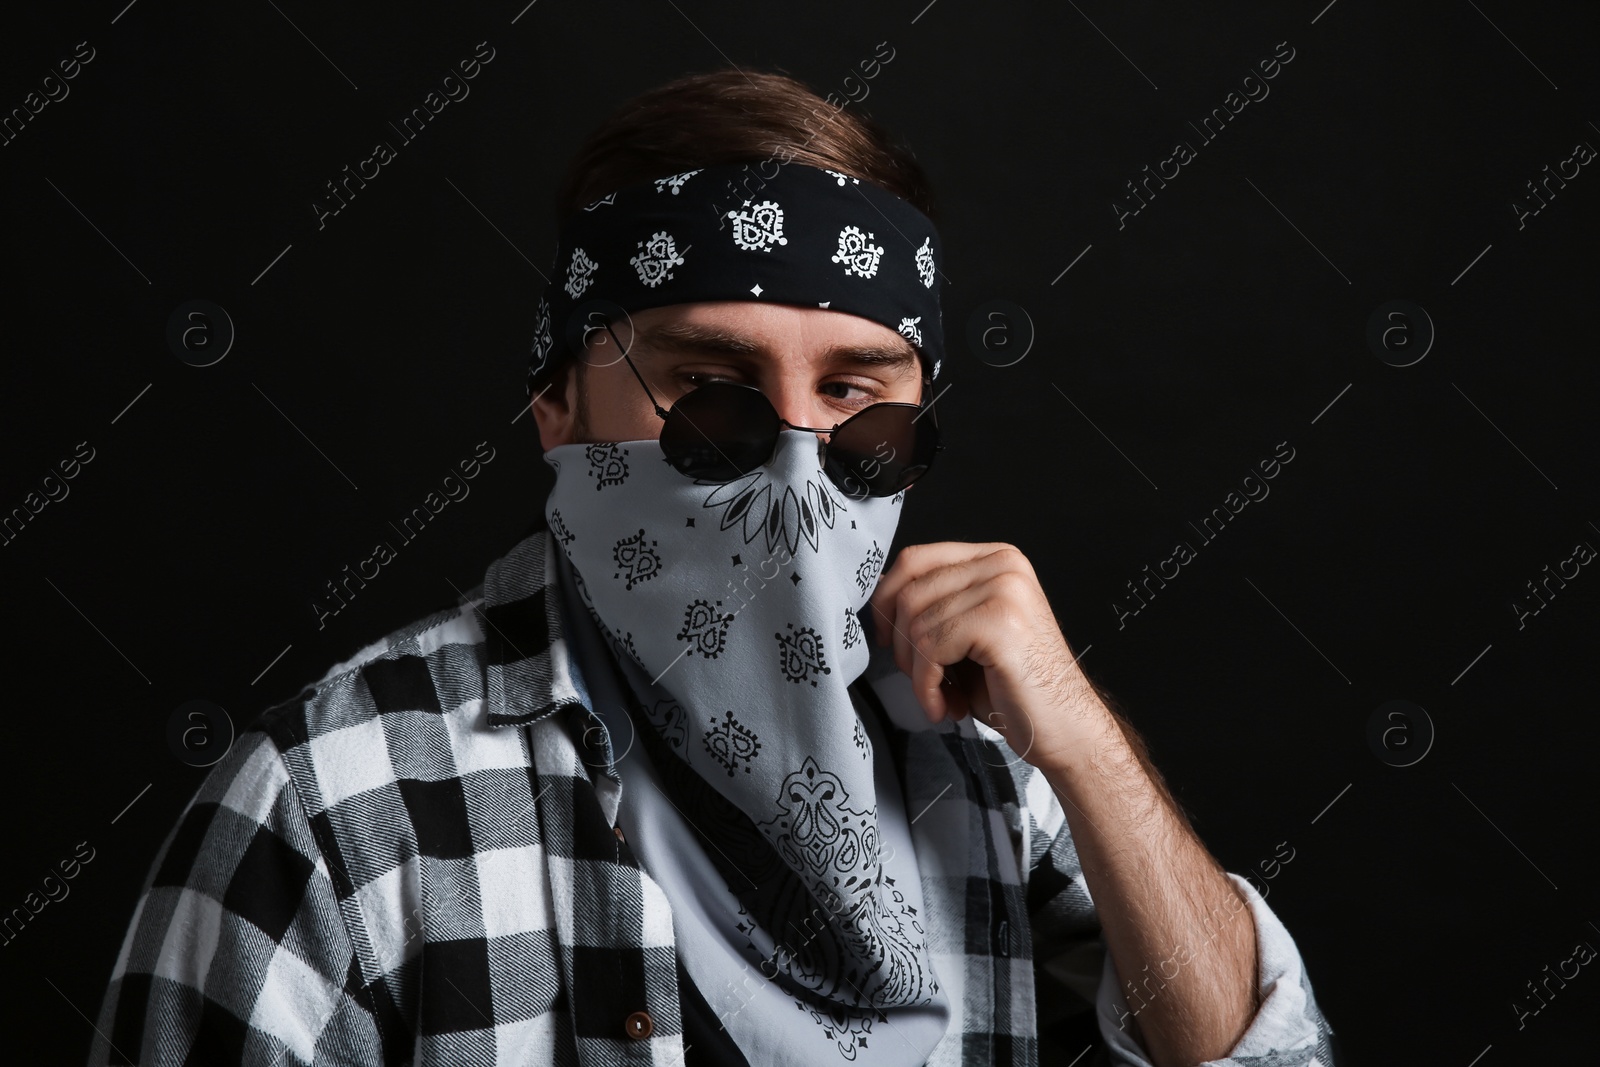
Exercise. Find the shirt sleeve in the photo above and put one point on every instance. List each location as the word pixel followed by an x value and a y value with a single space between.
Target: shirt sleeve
pixel 1288 1030
pixel 237 952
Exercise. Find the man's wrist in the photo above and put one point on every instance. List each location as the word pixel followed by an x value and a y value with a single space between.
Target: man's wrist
pixel 1096 741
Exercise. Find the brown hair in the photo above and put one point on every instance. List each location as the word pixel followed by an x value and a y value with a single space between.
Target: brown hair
pixel 737 116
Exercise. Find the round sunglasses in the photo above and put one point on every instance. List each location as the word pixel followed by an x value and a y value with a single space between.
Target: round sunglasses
pixel 720 430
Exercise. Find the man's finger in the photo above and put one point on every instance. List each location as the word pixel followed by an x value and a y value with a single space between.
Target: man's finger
pixel 911 562
pixel 942 587
pixel 936 678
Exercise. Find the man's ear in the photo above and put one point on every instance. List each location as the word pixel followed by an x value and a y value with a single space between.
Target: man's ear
pixel 555 407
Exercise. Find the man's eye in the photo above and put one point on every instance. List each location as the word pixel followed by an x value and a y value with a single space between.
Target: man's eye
pixel 694 379
pixel 862 395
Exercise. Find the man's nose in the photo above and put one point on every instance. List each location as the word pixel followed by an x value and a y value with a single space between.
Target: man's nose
pixel 796 407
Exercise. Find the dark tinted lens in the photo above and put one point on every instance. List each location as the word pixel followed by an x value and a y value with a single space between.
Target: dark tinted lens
pixel 881 450
pixel 720 431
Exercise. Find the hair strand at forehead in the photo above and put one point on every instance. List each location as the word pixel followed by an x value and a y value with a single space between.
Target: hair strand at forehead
pixel 738 116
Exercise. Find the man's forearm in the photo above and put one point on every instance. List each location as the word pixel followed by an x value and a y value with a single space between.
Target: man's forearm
pixel 1179 932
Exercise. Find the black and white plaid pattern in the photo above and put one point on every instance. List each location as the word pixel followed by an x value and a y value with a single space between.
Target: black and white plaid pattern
pixel 413 862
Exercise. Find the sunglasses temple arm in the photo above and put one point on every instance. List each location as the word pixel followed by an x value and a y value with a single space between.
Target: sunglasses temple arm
pixel 933 410
pixel 653 402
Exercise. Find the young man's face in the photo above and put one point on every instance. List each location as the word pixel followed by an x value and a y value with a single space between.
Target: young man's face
pixel 817 367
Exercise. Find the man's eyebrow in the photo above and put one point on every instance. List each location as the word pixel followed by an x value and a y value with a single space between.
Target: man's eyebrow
pixel 686 337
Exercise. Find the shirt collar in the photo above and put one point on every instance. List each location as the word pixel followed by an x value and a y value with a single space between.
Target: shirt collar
pixel 527 658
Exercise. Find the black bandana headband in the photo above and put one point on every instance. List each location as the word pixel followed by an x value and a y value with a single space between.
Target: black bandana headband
pixel 786 233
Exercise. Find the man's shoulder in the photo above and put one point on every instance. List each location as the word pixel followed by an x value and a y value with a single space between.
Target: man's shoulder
pixel 411 707
pixel 391 755
pixel 431 665
pixel 436 663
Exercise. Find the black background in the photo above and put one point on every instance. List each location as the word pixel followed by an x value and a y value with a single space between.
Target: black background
pixel 1178 351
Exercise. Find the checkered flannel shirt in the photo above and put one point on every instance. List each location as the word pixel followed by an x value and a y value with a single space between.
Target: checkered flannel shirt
pixel 414 861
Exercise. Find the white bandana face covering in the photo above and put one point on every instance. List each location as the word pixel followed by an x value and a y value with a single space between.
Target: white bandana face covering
pixel 734 613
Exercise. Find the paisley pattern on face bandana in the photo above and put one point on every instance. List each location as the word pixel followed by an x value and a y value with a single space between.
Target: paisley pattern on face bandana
pixel 733 610
pixel 783 514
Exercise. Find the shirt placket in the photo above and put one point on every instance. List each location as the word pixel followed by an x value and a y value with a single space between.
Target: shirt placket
pixel 614 1008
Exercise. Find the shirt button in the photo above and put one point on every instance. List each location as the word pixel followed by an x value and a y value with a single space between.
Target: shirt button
pixel 639 1025
pixel 618 831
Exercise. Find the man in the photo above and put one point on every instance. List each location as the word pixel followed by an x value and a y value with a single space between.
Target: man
pixel 691 777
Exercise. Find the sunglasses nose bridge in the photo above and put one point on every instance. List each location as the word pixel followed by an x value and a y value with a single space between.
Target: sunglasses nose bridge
pixel 839 467
pixel 822 436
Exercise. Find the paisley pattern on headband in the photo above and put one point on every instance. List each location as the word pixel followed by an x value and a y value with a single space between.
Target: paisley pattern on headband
pixel 774 232
pixel 759 227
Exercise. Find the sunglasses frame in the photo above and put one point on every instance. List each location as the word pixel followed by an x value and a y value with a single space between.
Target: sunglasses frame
pixel 822 446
